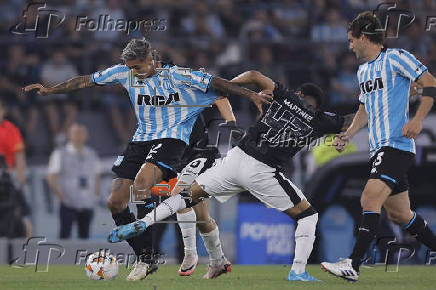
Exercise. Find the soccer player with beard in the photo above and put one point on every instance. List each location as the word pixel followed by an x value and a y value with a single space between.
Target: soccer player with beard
pixel 385 75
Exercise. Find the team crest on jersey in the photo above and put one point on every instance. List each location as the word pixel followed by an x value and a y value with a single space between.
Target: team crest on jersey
pixel 371 85
pixel 378 66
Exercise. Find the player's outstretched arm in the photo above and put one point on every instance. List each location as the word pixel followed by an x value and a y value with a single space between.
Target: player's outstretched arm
pixel 256 78
pixel 228 88
pixel 414 126
pixel 358 122
pixel 348 120
pixel 73 84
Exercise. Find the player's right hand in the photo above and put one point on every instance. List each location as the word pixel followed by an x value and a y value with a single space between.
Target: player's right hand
pixel 40 89
pixel 341 142
pixel 259 99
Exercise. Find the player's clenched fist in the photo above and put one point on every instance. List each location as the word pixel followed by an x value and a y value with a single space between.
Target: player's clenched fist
pixel 341 141
pixel 40 89
pixel 412 128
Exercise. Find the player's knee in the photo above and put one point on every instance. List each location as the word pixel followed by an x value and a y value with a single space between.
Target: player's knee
pixel 368 203
pixel 115 205
pixel 142 186
pixel 197 193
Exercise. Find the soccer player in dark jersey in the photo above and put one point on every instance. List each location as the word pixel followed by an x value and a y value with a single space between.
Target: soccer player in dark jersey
pixel 199 156
pixel 167 100
pixel 290 122
pixel 385 75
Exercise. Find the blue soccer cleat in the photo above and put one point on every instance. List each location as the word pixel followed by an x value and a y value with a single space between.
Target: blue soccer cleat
pixel 125 232
pixel 301 277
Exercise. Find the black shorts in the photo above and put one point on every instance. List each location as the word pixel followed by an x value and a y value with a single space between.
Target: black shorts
pixel 391 165
pixel 165 153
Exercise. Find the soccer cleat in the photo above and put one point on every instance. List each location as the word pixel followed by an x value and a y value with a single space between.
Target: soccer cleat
pixel 125 232
pixel 301 277
pixel 189 264
pixel 214 271
pixel 342 269
pixel 141 270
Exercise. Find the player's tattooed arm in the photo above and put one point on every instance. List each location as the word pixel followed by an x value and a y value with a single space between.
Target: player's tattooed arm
pixel 73 84
pixel 256 78
pixel 228 88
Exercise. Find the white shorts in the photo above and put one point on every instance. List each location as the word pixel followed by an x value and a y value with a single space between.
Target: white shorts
pixel 194 168
pixel 239 171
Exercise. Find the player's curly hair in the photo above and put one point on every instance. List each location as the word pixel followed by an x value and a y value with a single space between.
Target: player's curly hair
pixel 314 91
pixel 368 24
pixel 136 49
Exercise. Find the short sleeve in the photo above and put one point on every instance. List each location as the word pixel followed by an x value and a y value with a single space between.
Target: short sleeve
pixel 198 79
pixel 16 140
pixel 406 64
pixel 112 75
pixel 54 163
pixel 330 123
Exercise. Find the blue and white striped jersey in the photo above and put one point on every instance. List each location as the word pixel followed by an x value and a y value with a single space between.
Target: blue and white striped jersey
pixel 384 90
pixel 167 104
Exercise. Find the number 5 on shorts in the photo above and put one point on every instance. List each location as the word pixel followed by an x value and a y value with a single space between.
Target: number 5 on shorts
pixel 377 162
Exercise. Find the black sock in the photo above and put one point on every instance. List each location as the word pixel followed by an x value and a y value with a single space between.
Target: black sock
pixel 142 244
pixel 143 210
pixel 123 218
pixel 367 231
pixel 418 227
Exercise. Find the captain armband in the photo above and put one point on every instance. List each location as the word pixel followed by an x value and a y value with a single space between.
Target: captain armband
pixel 429 92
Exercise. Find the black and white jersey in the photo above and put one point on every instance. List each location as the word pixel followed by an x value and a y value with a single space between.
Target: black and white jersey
pixel 198 143
pixel 288 124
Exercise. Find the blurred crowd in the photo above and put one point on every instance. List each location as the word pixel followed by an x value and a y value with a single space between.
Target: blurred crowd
pixel 291 41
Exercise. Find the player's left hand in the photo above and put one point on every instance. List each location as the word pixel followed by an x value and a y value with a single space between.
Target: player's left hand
pixel 412 128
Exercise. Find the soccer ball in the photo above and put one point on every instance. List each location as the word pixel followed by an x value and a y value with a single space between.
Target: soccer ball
pixel 101 266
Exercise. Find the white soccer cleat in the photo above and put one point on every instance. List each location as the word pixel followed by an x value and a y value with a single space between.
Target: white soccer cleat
pixel 342 269
pixel 140 271
pixel 189 264
pixel 214 271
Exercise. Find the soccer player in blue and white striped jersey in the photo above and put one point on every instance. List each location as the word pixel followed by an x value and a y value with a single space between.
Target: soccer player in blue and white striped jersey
pixel 385 76
pixel 167 100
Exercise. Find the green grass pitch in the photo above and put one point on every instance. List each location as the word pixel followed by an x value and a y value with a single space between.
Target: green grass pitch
pixel 241 277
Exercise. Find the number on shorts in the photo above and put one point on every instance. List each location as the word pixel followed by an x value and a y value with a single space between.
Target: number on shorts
pixel 377 162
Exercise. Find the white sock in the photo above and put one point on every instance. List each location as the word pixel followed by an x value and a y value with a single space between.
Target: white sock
pixel 188 230
pixel 165 209
pixel 304 238
pixel 212 243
